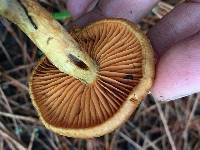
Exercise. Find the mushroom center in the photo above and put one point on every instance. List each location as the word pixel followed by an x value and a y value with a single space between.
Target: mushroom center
pixel 68 103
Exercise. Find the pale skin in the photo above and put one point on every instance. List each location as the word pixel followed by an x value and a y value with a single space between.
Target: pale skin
pixel 175 40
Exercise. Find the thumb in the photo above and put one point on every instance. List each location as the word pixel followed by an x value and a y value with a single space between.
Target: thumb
pixel 178 71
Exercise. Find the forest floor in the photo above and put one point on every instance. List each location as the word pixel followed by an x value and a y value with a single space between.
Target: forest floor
pixel 156 125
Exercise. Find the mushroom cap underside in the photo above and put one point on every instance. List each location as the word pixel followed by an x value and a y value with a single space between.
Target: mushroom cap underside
pixel 125 62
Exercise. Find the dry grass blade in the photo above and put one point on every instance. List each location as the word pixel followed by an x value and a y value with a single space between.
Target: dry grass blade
pixel 6 53
pixel 185 132
pixel 129 140
pixel 14 141
pixel 162 9
pixel 31 140
pixel 164 121
pixel 15 82
pixel 144 137
pixel 19 117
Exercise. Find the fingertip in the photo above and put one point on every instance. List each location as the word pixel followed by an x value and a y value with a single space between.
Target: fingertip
pixel 178 70
pixel 132 10
pixel 86 19
pixel 78 7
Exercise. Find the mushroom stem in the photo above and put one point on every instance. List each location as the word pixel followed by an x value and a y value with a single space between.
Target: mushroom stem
pixel 50 37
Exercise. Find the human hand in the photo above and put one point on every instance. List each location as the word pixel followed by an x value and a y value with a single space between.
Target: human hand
pixel 175 39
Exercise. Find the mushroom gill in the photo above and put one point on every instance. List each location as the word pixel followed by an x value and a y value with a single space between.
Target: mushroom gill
pixel 121 56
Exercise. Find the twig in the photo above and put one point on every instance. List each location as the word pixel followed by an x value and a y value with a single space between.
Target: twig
pixel 14 141
pixel 165 126
pixel 20 68
pixel 162 9
pixel 8 106
pixel 106 139
pixel 19 42
pixel 31 140
pixel 1 143
pixel 185 135
pixel 6 54
pixel 128 139
pixel 113 140
pixel 144 136
pixel 24 118
pixel 16 82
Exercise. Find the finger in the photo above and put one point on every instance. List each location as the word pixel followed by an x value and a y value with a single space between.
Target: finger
pixel 86 19
pixel 181 23
pixel 193 0
pixel 178 71
pixel 78 7
pixel 132 10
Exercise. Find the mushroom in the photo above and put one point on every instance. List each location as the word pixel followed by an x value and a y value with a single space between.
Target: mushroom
pixel 125 72
pixel 92 79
